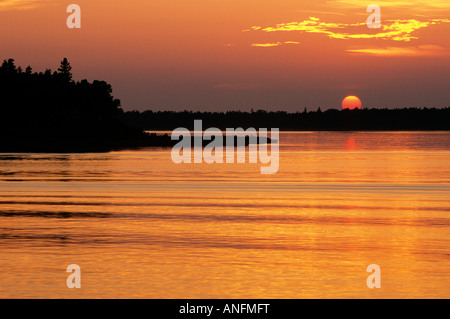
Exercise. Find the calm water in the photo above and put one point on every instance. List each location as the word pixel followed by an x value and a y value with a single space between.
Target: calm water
pixel 140 226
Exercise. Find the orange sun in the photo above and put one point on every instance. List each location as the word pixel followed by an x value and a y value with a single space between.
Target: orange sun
pixel 351 102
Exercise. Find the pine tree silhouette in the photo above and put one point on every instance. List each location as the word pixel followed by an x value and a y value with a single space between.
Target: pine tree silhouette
pixel 64 69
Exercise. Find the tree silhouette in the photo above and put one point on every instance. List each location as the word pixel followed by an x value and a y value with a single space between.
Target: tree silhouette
pixel 330 120
pixel 8 66
pixel 64 69
pixel 48 112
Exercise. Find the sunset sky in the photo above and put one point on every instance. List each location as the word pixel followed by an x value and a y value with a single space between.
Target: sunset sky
pixel 241 54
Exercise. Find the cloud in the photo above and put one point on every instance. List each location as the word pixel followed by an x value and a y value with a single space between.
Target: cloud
pixel 395 30
pixel 265 45
pixel 270 45
pixel 419 51
pixel 6 5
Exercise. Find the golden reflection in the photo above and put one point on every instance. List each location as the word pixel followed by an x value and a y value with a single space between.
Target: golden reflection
pixel 350 144
pixel 140 226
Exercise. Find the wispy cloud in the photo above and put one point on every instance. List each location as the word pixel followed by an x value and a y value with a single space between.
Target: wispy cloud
pixel 23 4
pixel 265 45
pixel 419 51
pixel 396 30
pixel 270 45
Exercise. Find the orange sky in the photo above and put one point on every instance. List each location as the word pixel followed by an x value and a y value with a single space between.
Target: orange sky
pixel 241 54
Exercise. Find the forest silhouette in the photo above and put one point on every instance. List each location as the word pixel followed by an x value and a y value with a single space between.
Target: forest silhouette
pixel 50 112
pixel 406 119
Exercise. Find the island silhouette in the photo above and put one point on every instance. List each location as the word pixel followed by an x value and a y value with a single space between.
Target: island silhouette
pixel 50 112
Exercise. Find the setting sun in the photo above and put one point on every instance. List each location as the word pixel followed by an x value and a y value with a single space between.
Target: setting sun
pixel 351 102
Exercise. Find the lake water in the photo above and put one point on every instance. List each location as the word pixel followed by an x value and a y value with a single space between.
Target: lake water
pixel 140 226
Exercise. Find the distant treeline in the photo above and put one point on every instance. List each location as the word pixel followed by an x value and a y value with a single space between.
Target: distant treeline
pixel 331 120
pixel 49 112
